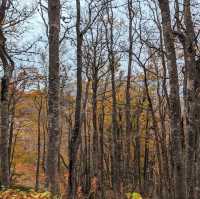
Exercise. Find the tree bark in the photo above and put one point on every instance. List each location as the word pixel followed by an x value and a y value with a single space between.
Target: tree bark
pixel 8 67
pixel 116 156
pixel 76 133
pixel 37 174
pixel 53 97
pixel 128 87
pixel 192 98
pixel 175 109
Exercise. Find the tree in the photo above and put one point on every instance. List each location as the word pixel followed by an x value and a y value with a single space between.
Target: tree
pixel 116 156
pixel 175 109
pixel 192 104
pixel 8 67
pixel 128 87
pixel 53 97
pixel 75 139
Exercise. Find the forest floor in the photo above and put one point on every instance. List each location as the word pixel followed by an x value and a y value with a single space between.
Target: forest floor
pixel 27 193
pixel 24 194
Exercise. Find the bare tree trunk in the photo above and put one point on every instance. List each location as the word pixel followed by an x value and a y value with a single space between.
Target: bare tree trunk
pixel 38 157
pixel 53 97
pixel 8 67
pixel 94 122
pixel 128 87
pixel 156 130
pixel 11 129
pixel 5 133
pixel 101 140
pixel 116 172
pixel 86 159
pixel 137 150
pixel 192 98
pixel 44 130
pixel 146 157
pixel 37 174
pixel 76 133
pixel 175 109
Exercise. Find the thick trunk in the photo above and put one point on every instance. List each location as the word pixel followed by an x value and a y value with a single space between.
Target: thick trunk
pixel 175 109
pixel 192 98
pixel 5 132
pixel 53 97
pixel 8 67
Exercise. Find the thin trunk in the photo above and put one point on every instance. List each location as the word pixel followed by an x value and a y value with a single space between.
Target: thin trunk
pixel 156 130
pixel 37 175
pixel 44 128
pixel 94 122
pixel 11 134
pixel 76 133
pixel 146 157
pixel 128 87
pixel 116 182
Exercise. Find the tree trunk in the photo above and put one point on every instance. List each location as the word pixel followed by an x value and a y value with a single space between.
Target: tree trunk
pixel 76 133
pixel 53 97
pixel 94 122
pixel 192 98
pixel 37 175
pixel 128 87
pixel 5 132
pixel 175 109
pixel 8 67
pixel 115 131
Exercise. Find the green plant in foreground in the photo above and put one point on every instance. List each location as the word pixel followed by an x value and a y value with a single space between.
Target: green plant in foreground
pixel 133 195
pixel 28 194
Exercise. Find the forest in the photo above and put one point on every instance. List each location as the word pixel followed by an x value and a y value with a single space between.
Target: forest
pixel 100 99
